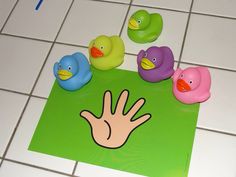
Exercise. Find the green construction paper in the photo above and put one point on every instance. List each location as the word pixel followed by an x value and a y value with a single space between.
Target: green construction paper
pixel 161 147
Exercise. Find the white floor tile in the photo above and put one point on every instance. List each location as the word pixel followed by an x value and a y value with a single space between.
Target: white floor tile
pixel 87 170
pixel 42 24
pixel 20 62
pixel 83 25
pixel 180 5
pixel 10 169
pixel 219 7
pixel 5 9
pixel 8 117
pixel 19 148
pixel 174 24
pixel 214 155
pixel 47 78
pixel 211 41
pixel 218 113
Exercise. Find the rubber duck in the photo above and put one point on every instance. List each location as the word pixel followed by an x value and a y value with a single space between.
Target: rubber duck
pixel 144 27
pixel 192 85
pixel 73 71
pixel 106 52
pixel 155 64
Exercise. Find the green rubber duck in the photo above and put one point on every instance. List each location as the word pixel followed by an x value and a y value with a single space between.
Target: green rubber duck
pixel 106 52
pixel 144 27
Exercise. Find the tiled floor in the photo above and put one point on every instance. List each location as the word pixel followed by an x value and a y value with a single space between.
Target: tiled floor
pixel 200 32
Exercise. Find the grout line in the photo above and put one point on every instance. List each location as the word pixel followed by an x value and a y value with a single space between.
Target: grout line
pixel 73 172
pixel 38 167
pixel 21 93
pixel 216 131
pixel 132 54
pixel 35 83
pixel 9 16
pixel 160 8
pixel 126 15
pixel 111 2
pixel 67 13
pixel 12 91
pixel 25 37
pixel 40 97
pixel 209 66
pixel 185 33
pixel 42 40
pixel 74 45
pixel 212 15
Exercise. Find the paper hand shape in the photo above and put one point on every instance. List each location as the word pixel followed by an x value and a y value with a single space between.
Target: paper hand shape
pixel 112 130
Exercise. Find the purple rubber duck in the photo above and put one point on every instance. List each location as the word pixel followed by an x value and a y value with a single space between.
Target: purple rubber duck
pixel 155 64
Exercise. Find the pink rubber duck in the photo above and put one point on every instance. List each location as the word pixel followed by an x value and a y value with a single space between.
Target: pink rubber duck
pixel 192 85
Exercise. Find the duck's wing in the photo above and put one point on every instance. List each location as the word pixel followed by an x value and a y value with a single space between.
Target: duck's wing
pixel 140 56
pixel 55 69
pixel 87 77
pixel 152 37
pixel 168 57
pixel 168 74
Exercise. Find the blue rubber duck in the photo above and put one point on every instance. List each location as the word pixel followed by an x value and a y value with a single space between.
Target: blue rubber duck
pixel 73 71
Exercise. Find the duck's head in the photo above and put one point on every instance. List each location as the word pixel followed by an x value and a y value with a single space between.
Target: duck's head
pixel 139 20
pixel 67 67
pixel 188 80
pixel 101 47
pixel 152 58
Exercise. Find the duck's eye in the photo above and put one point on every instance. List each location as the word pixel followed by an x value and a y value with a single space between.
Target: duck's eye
pixel 145 54
pixel 101 47
pixel 59 66
pixel 181 75
pixel 190 82
pixel 139 21
pixel 154 59
pixel 69 68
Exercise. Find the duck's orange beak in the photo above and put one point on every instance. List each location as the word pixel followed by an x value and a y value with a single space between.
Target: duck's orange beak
pixel 182 86
pixel 95 52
